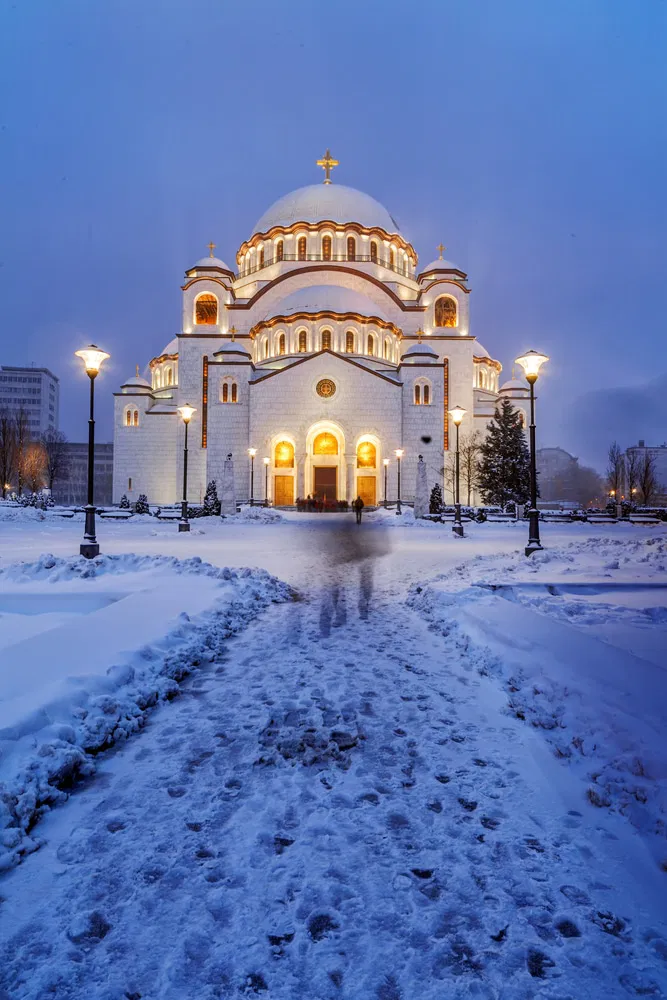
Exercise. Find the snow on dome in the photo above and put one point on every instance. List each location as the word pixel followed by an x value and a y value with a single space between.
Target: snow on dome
pixel 205 262
pixel 232 347
pixel 320 297
pixel 512 385
pixel 171 348
pixel 137 383
pixel 420 349
pixel 481 352
pixel 440 265
pixel 320 202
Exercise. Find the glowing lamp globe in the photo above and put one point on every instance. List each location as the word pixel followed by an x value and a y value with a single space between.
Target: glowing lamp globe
pixel 399 453
pixel 252 452
pixel 457 414
pixel 267 461
pixel 385 461
pixel 92 358
pixel 186 412
pixel 531 362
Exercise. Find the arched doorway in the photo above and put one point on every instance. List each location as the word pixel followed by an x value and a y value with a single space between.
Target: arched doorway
pixel 325 474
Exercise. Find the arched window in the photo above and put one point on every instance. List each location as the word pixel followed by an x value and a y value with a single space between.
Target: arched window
pixel 366 455
pixel 326 248
pixel 301 245
pixel 135 418
pixel 349 341
pixel 370 344
pixel 418 394
pixel 392 258
pixel 427 394
pixel 128 418
pixel 280 249
pixel 303 341
pixel 261 256
pixel 206 310
pixel 325 444
pixel 225 392
pixel 522 420
pixel 326 340
pixel 158 378
pixel 228 391
pixel 248 263
pixel 284 455
pixel 445 311
pixel 170 376
pixel 235 393
pixel 387 350
pixel 281 344
pixel 265 348
pixel 374 251
pixel 351 248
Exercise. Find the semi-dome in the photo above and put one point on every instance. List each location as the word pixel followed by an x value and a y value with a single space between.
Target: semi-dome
pixel 171 347
pixel 512 385
pixel 440 265
pixel 211 262
pixel 322 202
pixel 137 383
pixel 232 347
pixel 419 352
pixel 318 298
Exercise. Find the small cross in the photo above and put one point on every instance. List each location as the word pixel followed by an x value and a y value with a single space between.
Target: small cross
pixel 327 162
pixel 419 336
pixel 233 333
pixel 137 371
pixel 211 248
pixel 440 250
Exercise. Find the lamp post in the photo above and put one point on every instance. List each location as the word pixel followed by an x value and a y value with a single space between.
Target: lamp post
pixel 531 362
pixel 457 414
pixel 252 452
pixel 267 462
pixel 385 462
pixel 399 455
pixel 185 412
pixel 92 358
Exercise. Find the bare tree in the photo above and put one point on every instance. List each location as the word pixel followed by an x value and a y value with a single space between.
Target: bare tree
pixel 33 467
pixel 648 480
pixel 615 469
pixel 7 450
pixel 22 438
pixel 633 463
pixel 56 457
pixel 449 477
pixel 468 457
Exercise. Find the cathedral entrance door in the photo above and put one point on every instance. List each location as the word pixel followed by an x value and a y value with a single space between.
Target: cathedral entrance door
pixel 366 488
pixel 325 478
pixel 283 491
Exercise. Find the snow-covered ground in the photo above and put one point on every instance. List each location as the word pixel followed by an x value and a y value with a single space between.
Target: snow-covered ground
pixel 345 801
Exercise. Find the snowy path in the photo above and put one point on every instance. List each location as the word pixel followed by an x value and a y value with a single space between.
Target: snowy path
pixel 337 809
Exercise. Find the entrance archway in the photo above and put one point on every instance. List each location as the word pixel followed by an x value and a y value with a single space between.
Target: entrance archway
pixel 325 472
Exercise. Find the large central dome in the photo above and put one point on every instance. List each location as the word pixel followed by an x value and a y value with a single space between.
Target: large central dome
pixel 322 202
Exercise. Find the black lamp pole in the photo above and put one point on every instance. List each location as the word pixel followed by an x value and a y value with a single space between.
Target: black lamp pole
pixel 184 523
pixel 252 477
pixel 533 514
pixel 457 527
pixel 386 467
pixel 90 546
pixel 266 484
pixel 398 502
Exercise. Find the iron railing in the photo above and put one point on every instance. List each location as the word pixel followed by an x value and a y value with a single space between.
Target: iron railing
pixel 329 258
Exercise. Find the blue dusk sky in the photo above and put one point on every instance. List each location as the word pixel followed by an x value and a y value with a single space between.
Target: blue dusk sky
pixel 529 136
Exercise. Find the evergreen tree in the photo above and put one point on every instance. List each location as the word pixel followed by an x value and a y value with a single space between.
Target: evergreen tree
pixel 504 465
pixel 124 502
pixel 211 501
pixel 435 502
pixel 141 506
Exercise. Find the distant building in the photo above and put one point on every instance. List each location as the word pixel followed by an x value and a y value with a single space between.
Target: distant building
pixel 561 478
pixel 74 489
pixel 36 391
pixel 659 454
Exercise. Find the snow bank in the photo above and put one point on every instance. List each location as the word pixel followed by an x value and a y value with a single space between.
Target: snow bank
pixel 57 722
pixel 254 515
pixel 576 634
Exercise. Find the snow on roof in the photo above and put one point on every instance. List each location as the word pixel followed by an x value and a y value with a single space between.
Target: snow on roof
pixel 171 348
pixel 319 297
pixel 319 202
pixel 205 262
pixel 512 385
pixel 136 382
pixel 233 347
pixel 440 265
pixel 420 349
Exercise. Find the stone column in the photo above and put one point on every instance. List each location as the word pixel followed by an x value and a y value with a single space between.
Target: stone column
pixel 351 462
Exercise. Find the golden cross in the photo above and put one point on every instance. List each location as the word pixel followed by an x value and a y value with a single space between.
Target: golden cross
pixel 440 250
pixel 233 333
pixel 419 335
pixel 327 162
pixel 137 371
pixel 211 247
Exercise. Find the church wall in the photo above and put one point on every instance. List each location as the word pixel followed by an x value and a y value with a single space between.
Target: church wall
pixel 191 352
pixel 421 421
pixel 228 427
pixel 428 299
pixel 145 454
pixel 190 295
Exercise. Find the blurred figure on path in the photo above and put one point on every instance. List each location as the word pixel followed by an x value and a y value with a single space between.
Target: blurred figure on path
pixel 358 505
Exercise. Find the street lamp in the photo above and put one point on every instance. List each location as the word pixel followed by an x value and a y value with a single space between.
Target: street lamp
pixel 385 462
pixel 92 358
pixel 457 414
pixel 531 362
pixel 399 455
pixel 185 412
pixel 267 462
pixel 252 452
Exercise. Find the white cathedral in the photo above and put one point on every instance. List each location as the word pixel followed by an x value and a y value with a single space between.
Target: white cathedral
pixel 325 352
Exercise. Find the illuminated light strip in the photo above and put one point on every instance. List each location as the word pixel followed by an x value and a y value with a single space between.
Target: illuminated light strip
pixel 204 402
pixel 446 400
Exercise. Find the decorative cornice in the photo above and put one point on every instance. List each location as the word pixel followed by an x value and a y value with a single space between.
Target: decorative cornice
pixel 351 317
pixel 488 361
pixel 335 354
pixel 446 281
pixel 241 306
pixel 154 362
pixel 203 277
pixel 316 227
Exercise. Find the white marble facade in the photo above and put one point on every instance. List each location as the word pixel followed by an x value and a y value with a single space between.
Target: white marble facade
pixel 326 349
